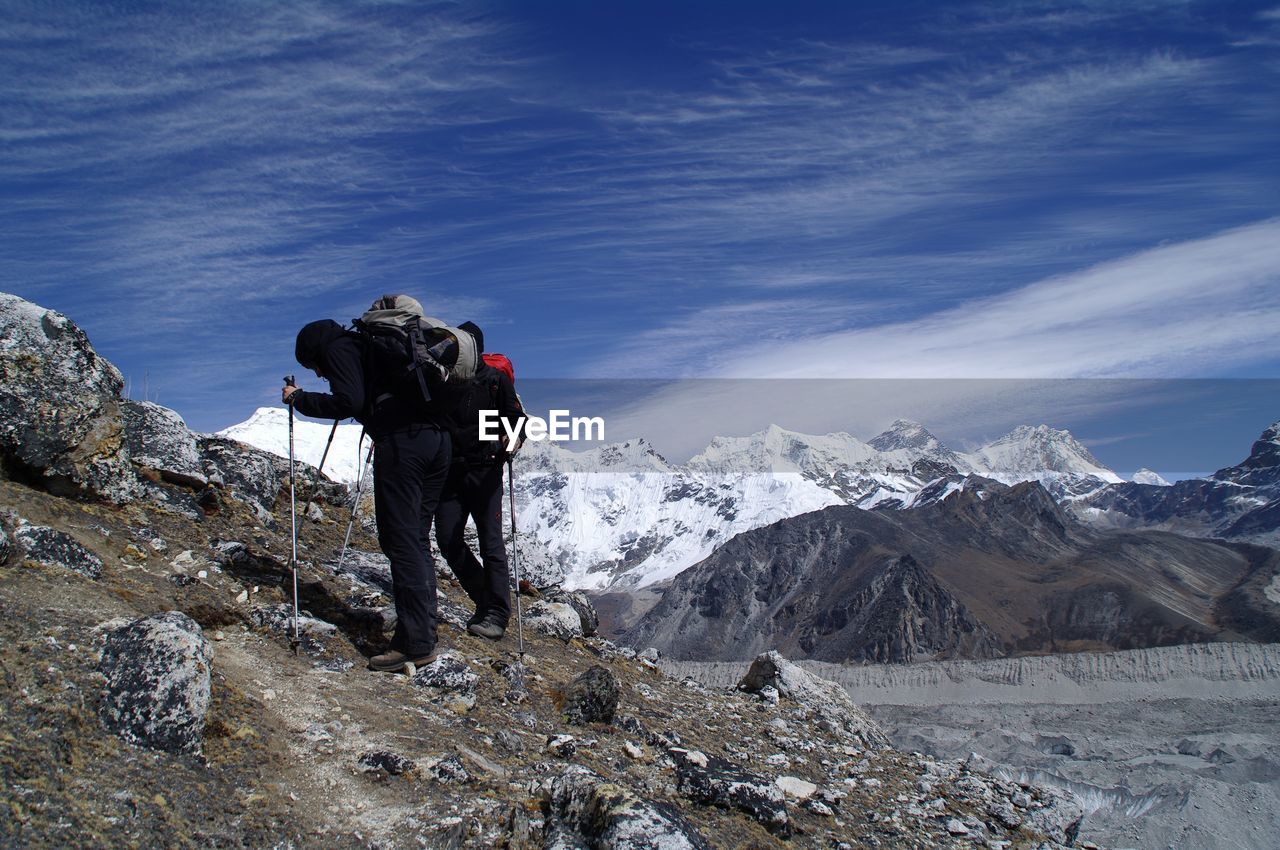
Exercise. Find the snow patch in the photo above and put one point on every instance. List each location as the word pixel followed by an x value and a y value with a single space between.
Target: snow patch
pixel 1273 590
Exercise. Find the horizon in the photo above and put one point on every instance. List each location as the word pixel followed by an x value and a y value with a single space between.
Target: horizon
pixel 629 192
pixel 1158 441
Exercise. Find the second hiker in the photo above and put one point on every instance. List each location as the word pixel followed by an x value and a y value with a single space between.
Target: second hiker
pixel 474 488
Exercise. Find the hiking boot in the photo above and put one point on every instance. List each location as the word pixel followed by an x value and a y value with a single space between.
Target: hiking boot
pixel 477 617
pixel 490 627
pixel 395 659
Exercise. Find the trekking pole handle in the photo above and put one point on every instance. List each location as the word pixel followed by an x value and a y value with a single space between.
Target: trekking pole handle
pixel 289 381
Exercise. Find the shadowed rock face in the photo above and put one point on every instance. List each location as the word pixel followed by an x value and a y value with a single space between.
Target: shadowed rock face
pixel 61 426
pixel 978 575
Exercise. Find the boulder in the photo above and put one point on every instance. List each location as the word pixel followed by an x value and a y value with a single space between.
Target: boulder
pixel 826 698
pixel 449 678
pixel 578 601
pixel 158 682
pixel 159 440
pixel 592 697
pixel 585 811
pixel 61 426
pixel 385 762
pixel 54 548
pixel 556 619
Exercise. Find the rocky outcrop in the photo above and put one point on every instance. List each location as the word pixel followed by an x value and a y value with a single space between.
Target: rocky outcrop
pixel 713 782
pixel 52 548
pixel 586 811
pixel 825 698
pixel 158 682
pixel 61 426
pixel 448 678
pixel 160 441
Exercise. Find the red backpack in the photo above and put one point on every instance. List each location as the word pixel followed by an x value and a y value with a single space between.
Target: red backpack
pixel 502 363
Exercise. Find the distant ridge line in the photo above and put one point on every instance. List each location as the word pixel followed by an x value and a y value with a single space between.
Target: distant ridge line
pixel 1199 671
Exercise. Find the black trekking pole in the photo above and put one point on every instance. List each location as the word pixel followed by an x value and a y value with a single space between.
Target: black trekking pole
pixel 320 469
pixel 294 641
pixel 515 560
pixel 355 503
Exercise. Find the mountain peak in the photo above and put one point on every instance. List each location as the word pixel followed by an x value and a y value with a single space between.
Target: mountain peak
pixel 905 434
pixel 1262 466
pixel 1147 476
pixel 1029 451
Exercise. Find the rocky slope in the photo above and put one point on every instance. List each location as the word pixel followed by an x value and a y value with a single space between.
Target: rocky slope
pixel 151 697
pixel 980 574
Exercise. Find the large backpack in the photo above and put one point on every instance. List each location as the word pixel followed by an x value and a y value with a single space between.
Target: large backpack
pixel 502 363
pixel 419 359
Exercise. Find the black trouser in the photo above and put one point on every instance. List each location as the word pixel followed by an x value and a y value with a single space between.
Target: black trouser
pixel 476 492
pixel 409 469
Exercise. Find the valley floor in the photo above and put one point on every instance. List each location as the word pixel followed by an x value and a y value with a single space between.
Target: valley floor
pixel 1172 747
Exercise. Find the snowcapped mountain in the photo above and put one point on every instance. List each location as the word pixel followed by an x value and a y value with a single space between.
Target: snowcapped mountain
pixel 1147 476
pixel 268 429
pixel 621 515
pixel 1041 450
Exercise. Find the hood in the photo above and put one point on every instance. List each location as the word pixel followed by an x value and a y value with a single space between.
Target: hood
pixel 314 339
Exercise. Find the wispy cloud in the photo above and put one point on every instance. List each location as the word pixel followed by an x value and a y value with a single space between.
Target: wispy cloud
pixel 1194 309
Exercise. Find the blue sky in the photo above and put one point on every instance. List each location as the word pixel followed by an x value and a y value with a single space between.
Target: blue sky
pixel 655 189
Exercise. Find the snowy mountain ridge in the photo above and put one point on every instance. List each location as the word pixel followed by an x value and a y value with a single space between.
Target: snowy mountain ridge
pixel 621 515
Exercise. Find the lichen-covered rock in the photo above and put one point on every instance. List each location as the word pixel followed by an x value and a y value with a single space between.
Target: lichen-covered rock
pixel 585 811
pixel 449 770
pixel 592 697
pixel 556 619
pixel 251 475
pixel 5 546
pixel 382 761
pixel 60 421
pixel 158 682
pixel 578 601
pixel 54 548
pixel 713 782
pixel 826 698
pixel 159 440
pixel 448 677
pixel 279 618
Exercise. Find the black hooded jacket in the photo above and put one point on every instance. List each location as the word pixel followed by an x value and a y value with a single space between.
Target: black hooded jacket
pixel 339 355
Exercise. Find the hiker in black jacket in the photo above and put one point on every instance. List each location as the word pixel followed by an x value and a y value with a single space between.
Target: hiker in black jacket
pixel 411 461
pixel 474 488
